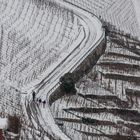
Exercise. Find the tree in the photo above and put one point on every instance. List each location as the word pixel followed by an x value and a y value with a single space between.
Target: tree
pixel 67 83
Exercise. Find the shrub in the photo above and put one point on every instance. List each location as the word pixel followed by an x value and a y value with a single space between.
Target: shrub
pixel 67 83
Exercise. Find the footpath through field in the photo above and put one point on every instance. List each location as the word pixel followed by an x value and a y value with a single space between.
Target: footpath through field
pixel 93 35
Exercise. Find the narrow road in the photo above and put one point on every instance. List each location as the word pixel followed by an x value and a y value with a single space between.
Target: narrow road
pixel 94 34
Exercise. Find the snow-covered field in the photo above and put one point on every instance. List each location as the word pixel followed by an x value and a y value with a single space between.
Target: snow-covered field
pixel 42 40
pixel 3 123
pixel 120 13
pixel 136 4
pixel 36 37
pixel 109 95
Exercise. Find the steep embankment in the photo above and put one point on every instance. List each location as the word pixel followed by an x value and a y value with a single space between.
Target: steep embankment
pixel 107 103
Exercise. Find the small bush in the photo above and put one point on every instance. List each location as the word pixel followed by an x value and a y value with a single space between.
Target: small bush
pixel 67 83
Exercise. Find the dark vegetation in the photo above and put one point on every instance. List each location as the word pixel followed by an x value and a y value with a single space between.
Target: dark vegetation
pixel 14 124
pixel 67 83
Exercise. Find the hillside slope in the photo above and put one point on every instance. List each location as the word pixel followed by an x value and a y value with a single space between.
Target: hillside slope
pixel 107 102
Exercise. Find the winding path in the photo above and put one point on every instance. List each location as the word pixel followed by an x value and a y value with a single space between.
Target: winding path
pixel 93 35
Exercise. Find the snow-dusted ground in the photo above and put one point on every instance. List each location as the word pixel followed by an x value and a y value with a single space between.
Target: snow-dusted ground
pixel 41 42
pixel 104 99
pixel 37 37
pixel 3 123
pixel 137 10
pixel 120 13
pixel 92 36
pixel 24 39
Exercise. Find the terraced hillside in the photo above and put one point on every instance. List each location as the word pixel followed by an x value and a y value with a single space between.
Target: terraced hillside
pixel 120 13
pixel 107 102
pixel 35 36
